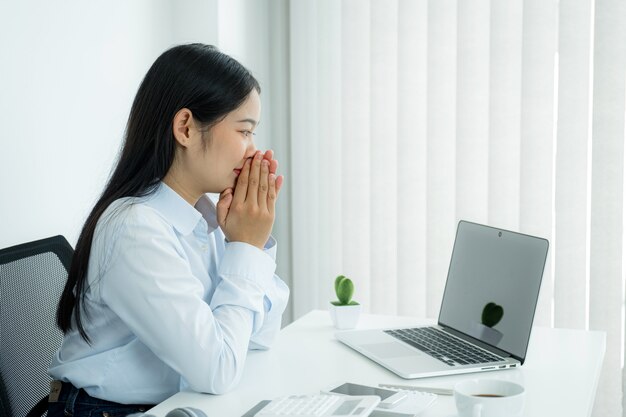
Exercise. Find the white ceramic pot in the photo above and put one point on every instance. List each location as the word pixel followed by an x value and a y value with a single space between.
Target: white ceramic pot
pixel 345 317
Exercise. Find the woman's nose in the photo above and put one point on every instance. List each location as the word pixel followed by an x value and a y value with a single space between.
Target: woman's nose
pixel 251 150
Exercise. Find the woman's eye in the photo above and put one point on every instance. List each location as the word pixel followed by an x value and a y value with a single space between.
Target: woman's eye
pixel 247 133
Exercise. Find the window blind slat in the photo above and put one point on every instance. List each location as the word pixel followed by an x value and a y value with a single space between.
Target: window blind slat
pixel 356 137
pixel 472 130
pixel 303 153
pixel 329 149
pixel 383 156
pixel 571 194
pixel 607 188
pixel 441 149
pixel 537 134
pixel 505 89
pixel 412 162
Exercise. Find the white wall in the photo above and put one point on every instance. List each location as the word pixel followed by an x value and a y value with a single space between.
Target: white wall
pixel 69 71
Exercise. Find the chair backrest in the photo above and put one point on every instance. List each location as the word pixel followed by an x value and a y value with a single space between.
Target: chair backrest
pixel 32 277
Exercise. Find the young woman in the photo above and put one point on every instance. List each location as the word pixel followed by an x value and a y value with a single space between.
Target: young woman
pixel 167 290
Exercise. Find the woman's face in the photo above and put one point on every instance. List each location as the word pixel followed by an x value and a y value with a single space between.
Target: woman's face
pixel 232 142
pixel 213 165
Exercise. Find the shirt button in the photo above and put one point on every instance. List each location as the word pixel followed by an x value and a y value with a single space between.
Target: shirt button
pixel 204 247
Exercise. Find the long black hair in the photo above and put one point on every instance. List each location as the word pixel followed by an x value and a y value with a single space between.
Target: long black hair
pixel 197 77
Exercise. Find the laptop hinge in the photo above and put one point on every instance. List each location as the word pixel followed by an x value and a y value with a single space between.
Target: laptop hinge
pixel 480 343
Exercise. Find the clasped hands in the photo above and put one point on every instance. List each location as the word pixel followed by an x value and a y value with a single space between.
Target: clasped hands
pixel 246 214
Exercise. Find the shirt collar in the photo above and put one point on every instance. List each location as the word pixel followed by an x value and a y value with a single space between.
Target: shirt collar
pixel 179 213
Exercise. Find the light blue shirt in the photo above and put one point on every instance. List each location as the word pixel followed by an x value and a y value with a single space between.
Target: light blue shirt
pixel 170 304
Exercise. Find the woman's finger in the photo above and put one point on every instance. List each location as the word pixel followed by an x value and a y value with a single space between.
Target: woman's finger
pixel 226 198
pixel 264 184
pixel 279 184
pixel 269 155
pixel 254 178
pixel 241 190
pixel 273 166
pixel 271 194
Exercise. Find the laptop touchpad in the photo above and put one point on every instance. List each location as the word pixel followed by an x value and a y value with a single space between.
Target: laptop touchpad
pixel 391 350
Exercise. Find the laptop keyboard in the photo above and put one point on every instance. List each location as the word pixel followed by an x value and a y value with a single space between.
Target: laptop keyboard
pixel 440 345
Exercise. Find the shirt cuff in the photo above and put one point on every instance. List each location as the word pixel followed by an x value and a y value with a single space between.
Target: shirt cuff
pixel 246 261
pixel 270 247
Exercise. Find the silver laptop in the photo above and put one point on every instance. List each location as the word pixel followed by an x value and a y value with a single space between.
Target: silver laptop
pixel 486 314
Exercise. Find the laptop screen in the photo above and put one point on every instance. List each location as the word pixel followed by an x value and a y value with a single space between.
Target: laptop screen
pixel 493 284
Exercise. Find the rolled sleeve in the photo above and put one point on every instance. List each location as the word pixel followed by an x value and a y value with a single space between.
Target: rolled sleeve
pixel 246 272
pixel 276 299
pixel 240 260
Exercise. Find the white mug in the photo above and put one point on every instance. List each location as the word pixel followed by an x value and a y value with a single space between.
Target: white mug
pixel 489 398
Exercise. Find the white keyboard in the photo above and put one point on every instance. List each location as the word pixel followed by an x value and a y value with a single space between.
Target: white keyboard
pixel 320 405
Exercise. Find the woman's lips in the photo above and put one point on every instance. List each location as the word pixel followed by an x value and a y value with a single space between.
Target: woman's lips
pixel 237 171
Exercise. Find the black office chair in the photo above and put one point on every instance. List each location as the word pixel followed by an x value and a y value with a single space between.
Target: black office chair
pixel 32 277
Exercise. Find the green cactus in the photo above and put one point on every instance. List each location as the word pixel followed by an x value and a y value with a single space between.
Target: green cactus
pixel 344 288
pixel 492 314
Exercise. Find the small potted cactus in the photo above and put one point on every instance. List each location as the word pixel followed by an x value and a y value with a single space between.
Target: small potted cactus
pixel 345 311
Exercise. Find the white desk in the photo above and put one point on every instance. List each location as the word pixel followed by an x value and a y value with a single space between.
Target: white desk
pixel 306 357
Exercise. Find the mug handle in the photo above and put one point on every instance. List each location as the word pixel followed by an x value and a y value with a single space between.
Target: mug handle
pixel 477 411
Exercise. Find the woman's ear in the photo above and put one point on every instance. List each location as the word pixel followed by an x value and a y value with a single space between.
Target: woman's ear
pixel 181 127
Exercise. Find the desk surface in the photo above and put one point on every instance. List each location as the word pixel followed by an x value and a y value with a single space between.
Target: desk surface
pixel 560 374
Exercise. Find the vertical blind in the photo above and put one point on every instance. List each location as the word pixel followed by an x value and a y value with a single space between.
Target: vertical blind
pixel 409 115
